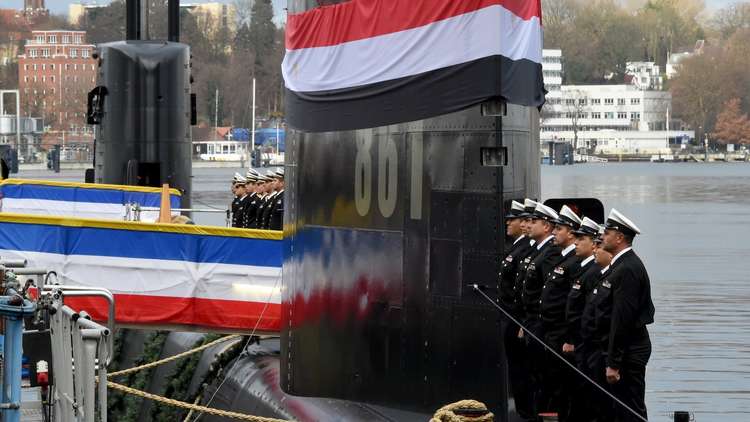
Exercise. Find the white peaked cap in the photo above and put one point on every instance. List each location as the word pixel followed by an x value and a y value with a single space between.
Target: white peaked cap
pixel 515 205
pixel 619 222
pixel 545 212
pixel 529 203
pixel 568 214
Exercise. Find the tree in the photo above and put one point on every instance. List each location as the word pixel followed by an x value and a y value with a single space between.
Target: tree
pixel 575 104
pixel 262 29
pixel 729 20
pixel 732 126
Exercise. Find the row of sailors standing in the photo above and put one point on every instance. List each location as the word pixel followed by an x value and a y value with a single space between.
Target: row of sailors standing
pixel 582 290
pixel 259 200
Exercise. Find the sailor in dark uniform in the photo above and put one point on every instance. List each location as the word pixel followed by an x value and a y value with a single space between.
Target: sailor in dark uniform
pixel 579 408
pixel 553 300
pixel 595 324
pixel 236 199
pixel 276 219
pixel 543 262
pixel 241 192
pixel 262 189
pixel 529 206
pixel 251 209
pixel 518 248
pixel 629 347
pixel 265 219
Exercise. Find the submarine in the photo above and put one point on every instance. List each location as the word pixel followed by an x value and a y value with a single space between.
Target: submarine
pixel 386 230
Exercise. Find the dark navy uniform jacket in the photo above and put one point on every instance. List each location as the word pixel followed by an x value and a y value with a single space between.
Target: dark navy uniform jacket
pixel 554 297
pixel 632 311
pixel 582 287
pixel 509 268
pixel 531 296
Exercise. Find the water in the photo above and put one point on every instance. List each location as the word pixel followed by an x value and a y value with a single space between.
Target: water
pixel 695 224
pixel 694 219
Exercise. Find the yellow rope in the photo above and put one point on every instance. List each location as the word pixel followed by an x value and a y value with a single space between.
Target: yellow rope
pixel 190 406
pixel 447 413
pixel 172 358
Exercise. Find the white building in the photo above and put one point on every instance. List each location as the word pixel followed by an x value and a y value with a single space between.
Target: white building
pixel 674 60
pixel 552 69
pixel 644 75
pixel 610 119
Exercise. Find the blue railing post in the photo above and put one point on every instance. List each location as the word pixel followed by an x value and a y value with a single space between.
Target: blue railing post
pixel 13 309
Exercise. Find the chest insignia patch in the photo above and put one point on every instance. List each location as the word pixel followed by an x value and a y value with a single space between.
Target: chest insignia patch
pixel 559 270
pixel 606 284
pixel 509 258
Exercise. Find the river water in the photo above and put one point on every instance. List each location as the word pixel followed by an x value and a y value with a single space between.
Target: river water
pixel 695 220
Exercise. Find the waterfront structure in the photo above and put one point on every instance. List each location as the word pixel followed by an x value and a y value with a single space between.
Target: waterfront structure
pixel 55 73
pixel 612 119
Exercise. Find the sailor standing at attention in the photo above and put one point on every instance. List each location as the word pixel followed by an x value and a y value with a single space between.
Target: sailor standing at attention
pixel 236 199
pixel 518 248
pixel 276 218
pixel 240 190
pixel 547 253
pixel 252 199
pixel 554 298
pixel 632 310
pixel 270 200
pixel 595 323
pixel 578 407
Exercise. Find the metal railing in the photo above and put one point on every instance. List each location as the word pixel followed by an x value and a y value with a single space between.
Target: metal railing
pixel 81 351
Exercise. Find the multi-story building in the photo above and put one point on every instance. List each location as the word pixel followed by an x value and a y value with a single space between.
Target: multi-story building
pixel 55 73
pixel 552 70
pixel 611 119
pixel 644 75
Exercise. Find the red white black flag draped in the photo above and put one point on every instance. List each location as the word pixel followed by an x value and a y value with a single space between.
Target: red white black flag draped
pixel 368 63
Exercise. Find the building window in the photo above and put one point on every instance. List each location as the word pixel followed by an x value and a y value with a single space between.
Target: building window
pixel 78 39
pixel 52 66
pixel 35 80
pixel 609 115
pixel 44 78
pixel 570 101
pixel 52 79
pixel 73 52
pixel 582 101
pixel 26 67
pixel 75 67
pixel 44 66
pixel 609 101
pixel 635 116
pixel 66 39
pixel 26 79
pixel 32 52
pixel 622 115
pixel 45 52
pixel 635 101
pixel 40 39
pixel 621 101
pixel 34 66
pixel 53 39
pixel 67 66
pixel 85 54
pixel 596 115
pixel 596 101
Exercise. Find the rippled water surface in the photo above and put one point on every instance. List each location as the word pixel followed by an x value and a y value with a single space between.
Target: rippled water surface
pixel 695 220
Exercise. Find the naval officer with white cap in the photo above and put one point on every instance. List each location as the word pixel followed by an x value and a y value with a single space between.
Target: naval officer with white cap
pixel 543 262
pixel 515 351
pixel 632 310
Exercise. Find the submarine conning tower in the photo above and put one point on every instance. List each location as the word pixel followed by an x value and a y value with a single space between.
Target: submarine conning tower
pixel 386 229
pixel 142 106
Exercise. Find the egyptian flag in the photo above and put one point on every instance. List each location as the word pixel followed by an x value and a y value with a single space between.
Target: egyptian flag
pixel 369 63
